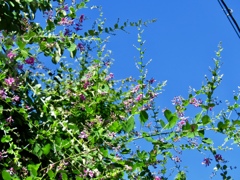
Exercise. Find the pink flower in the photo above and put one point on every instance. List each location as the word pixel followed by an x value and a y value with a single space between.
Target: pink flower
pixel 10 120
pixel 196 102
pixel 30 61
pixel 139 97
pixel 157 178
pixel 91 173
pixel 3 94
pixel 11 55
pixel 9 81
pixel 16 98
pixel 83 135
pixel 110 76
pixel 65 21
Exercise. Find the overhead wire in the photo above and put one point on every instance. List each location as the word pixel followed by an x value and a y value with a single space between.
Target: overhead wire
pixel 228 13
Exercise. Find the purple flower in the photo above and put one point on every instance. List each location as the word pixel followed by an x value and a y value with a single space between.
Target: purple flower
pixel 10 120
pixel 80 46
pixel 207 161
pixel 81 18
pixel 49 15
pixel 135 89
pixel 20 66
pixel 65 21
pixel 86 84
pixel 218 157
pixel 196 102
pixel 3 155
pixel 9 81
pixel 65 7
pixel 177 100
pixel 91 173
pixel 30 60
pixel 11 55
pixel 83 135
pixel 110 76
pixel 151 81
pixel 139 97
pixel 16 98
pixel 3 94
pixel 176 159
pixel 67 32
pixel 82 97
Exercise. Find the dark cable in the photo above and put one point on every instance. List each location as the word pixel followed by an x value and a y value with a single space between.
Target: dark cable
pixel 230 17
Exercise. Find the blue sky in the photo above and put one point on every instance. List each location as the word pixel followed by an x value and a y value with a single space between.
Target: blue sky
pixel 181 45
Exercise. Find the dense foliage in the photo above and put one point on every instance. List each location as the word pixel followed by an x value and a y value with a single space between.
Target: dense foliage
pixel 69 118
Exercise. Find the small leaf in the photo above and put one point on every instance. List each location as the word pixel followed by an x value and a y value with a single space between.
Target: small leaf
pixel 167 114
pixel 6 138
pixel 72 47
pixel 207 141
pixel 172 122
pixel 64 176
pixel 33 168
pixel 129 124
pixel 46 149
pixel 206 119
pixel 143 116
pixel 51 174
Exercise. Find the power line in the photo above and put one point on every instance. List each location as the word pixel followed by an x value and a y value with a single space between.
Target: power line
pixel 228 12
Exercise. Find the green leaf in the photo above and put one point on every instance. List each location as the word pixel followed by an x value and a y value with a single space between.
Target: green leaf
pixel 201 133
pixel 64 176
pixel 143 116
pixel 148 137
pixel 46 149
pixel 6 175
pixel 172 121
pixel 115 127
pixel 72 47
pixel 21 44
pixel 1 109
pixel 206 119
pixel 207 141
pixel 235 122
pixel 66 143
pixel 33 168
pixel 167 114
pixel 51 174
pixel 129 124
pixel 162 123
pixel 6 138
pixel 91 32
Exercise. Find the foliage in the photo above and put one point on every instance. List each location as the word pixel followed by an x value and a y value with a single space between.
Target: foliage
pixel 76 121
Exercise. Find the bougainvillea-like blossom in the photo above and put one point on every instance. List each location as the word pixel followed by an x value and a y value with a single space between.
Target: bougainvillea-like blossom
pixel 11 55
pixel 30 60
pixel 9 81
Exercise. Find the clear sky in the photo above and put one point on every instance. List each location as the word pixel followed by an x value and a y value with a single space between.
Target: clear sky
pixel 181 45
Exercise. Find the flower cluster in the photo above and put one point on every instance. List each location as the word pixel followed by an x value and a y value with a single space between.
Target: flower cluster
pixel 196 102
